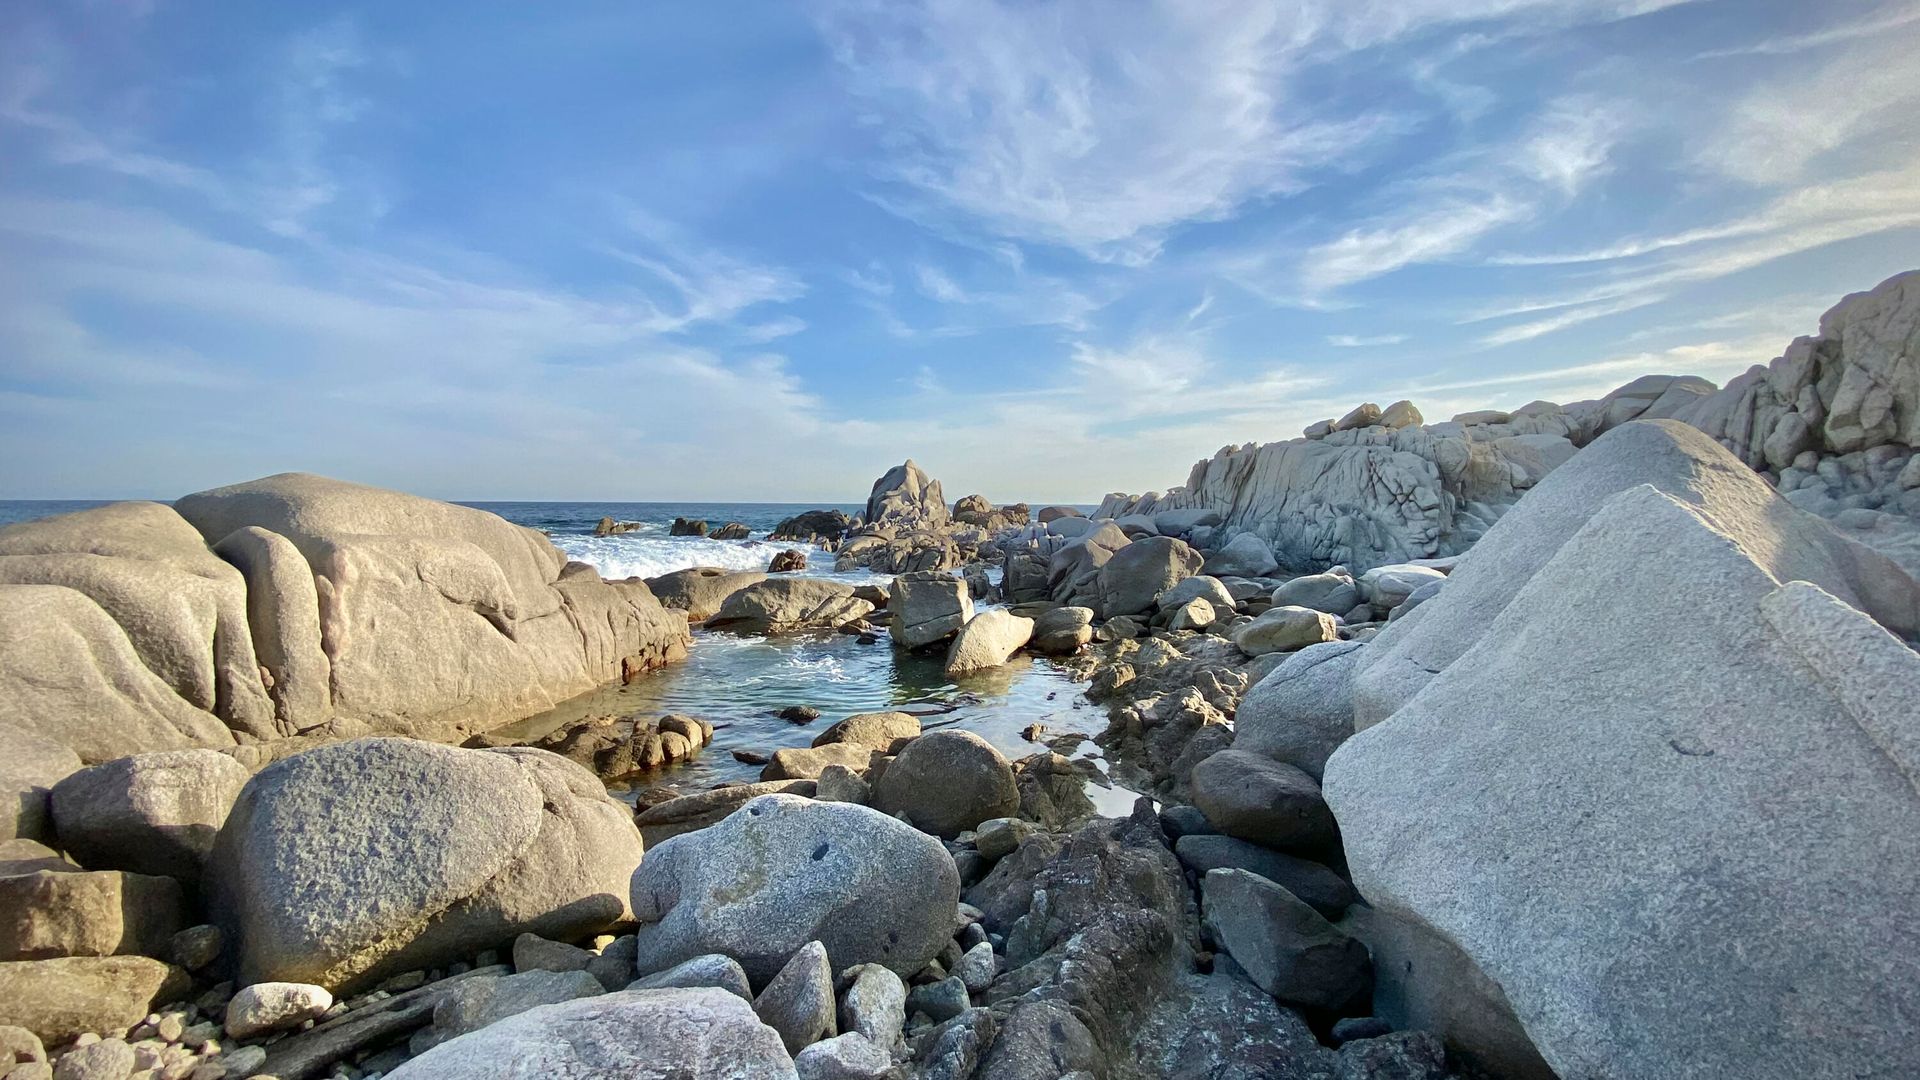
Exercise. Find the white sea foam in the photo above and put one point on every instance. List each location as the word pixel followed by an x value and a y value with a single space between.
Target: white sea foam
pixel 647 554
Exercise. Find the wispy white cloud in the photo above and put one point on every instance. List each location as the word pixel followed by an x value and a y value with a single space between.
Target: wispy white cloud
pixel 1890 17
pixel 1364 341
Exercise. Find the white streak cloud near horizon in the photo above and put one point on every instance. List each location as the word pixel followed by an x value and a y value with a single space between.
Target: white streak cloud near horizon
pixel 1049 249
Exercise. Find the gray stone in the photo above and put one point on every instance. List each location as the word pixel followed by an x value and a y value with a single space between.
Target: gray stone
pixel 17 1044
pixel 942 1000
pixel 1287 948
pixel 348 863
pixel 1246 555
pixel 987 641
pixel 1333 592
pixel 996 838
pixel 1728 774
pixel 1198 587
pixel 1302 710
pixel 886 732
pixel 30 765
pixel 875 1005
pixel 787 605
pixel 1137 573
pixel 784 871
pixel 1194 615
pixel 838 783
pixel 197 947
pixel 49 913
pixel 1062 631
pixel 701 590
pixel 689 1034
pixel 690 813
pixel 1283 629
pixel 1255 798
pixel 108 1059
pixel 274 1006
pixel 1387 587
pixel 614 966
pixel 976 968
pixel 1350 1028
pixel 807 762
pixel 845 1057
pixel 798 1002
pixel 946 782
pixel 906 496
pixel 62 999
pixel 154 813
pixel 472 1004
pixel 928 606
pixel 713 969
pixel 1325 891
pixel 531 952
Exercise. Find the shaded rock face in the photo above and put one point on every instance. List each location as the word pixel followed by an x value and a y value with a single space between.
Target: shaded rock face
pixel 987 641
pixel 782 871
pixel 1141 571
pixel 928 606
pixel 696 1034
pixel 1728 778
pixel 30 766
pixel 52 913
pixel 263 608
pixel 344 864
pixel 150 813
pixel 61 999
pixel 829 525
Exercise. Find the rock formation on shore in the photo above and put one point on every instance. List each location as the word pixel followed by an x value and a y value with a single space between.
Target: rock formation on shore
pixel 1833 423
pixel 263 610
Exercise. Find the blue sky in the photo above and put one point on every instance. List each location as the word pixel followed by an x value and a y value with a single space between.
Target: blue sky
pixel 762 251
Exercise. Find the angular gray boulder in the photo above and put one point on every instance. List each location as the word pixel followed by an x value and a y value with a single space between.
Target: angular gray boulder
pixel 344 864
pixel 1286 948
pixel 782 871
pixel 1255 798
pixel 928 606
pixel 688 1034
pixel 154 813
pixel 1137 573
pixel 1697 854
pixel 906 496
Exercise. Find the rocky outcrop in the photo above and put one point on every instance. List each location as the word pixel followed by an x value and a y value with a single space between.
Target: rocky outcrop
pixel 1834 422
pixel 814 525
pixel 1698 853
pixel 347 863
pixel 260 610
pixel 905 496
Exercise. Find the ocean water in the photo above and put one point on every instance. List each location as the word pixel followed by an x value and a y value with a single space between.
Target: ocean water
pixel 740 683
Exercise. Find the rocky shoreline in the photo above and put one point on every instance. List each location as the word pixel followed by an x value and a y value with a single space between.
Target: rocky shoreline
pixel 1577 741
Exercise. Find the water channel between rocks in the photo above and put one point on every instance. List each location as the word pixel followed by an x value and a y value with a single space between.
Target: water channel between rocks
pixel 740 683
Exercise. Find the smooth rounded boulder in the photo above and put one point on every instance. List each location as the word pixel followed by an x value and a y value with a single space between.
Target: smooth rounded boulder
pixel 1062 630
pixel 882 731
pixel 1303 710
pixel 1254 798
pixel 784 870
pixel 1246 555
pixel 948 782
pixel 1284 629
pixel 688 1034
pixel 152 813
pixel 356 860
pixel 789 605
pixel 988 640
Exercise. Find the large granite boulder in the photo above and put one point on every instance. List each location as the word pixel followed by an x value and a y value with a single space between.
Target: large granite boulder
pixel 886 732
pixel 1286 947
pixel 700 590
pixel 1061 631
pixel 1284 629
pixel 52 913
pixel 906 496
pixel 1673 752
pixel 1246 555
pixel 947 782
pixel 1073 571
pixel 1333 592
pixel 928 606
pixel 782 871
pixel 1255 798
pixel 687 1034
pixel 1141 571
pixel 154 813
pixel 789 605
pixel 344 864
pixel 435 618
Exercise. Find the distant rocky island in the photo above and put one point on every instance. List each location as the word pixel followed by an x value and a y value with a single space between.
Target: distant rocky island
pixel 1575 741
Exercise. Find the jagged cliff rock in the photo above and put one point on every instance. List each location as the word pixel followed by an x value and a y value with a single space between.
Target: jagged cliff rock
pixel 261 610
pixel 1833 422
